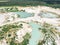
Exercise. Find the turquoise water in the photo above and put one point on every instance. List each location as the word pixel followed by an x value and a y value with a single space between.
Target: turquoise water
pixel 48 15
pixel 35 34
pixel 24 14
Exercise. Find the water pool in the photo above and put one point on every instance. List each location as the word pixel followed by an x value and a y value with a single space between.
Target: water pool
pixel 48 15
pixel 35 34
pixel 24 14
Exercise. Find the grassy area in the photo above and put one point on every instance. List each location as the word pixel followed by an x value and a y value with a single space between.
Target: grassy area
pixel 49 34
pixel 9 28
pixel 25 41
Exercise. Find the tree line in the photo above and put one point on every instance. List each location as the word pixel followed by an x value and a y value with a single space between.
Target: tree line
pixel 30 2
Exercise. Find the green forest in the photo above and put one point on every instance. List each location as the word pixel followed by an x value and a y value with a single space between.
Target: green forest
pixel 52 3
